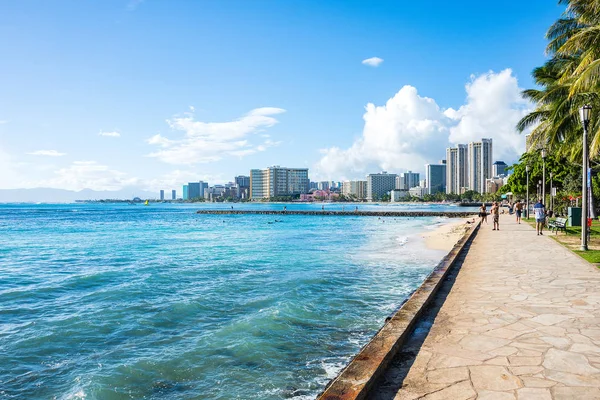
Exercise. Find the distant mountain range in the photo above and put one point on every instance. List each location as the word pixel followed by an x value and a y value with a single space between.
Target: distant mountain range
pixel 47 195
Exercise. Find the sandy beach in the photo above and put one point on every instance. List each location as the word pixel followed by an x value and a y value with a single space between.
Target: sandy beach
pixel 446 236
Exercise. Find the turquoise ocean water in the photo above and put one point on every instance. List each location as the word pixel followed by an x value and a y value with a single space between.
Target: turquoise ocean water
pixel 115 301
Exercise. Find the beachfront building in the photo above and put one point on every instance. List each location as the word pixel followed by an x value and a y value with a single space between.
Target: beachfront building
pixel 173 194
pixel 480 164
pixel 457 169
pixel 162 194
pixel 407 180
pixel 494 184
pixel 242 186
pixel 357 189
pixel 278 181
pixel 380 184
pixel 399 195
pixel 435 177
pixel 499 168
pixel 418 191
pixel 194 190
pixel 185 193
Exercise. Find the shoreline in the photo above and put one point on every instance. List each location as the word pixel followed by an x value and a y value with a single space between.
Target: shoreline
pixel 445 236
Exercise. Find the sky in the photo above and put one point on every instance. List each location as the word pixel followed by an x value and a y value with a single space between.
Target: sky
pixel 151 94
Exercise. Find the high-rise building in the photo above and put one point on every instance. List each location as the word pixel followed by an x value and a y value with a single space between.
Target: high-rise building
pixel 356 189
pixel 451 170
pixel 457 168
pixel 435 176
pixel 407 180
pixel 173 194
pixel 243 186
pixel 278 181
pixel 193 190
pixel 162 194
pixel 324 185
pixel 480 164
pixel 242 181
pixel 499 168
pixel 186 195
pixel 400 182
pixel 380 184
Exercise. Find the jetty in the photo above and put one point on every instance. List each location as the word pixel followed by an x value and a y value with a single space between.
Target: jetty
pixel 450 214
pixel 507 315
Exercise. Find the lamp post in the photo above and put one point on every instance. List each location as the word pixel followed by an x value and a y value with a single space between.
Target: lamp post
pixel 544 177
pixel 527 200
pixel 551 197
pixel 539 192
pixel 584 115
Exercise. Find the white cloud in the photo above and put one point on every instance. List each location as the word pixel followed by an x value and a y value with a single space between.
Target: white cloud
pixel 88 174
pixel 3 121
pixel 494 106
pixel 410 131
pixel 192 108
pixel 50 153
pixel 205 142
pixel 109 134
pixel 373 61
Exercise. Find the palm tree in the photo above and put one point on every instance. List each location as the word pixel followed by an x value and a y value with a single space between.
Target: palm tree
pixel 568 80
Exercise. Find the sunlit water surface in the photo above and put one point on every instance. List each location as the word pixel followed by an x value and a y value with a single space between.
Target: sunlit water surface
pixel 117 301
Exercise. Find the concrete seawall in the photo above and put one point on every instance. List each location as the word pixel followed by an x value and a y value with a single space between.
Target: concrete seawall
pixel 358 378
pixel 450 214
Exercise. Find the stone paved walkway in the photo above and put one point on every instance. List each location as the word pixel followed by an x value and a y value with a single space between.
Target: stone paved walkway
pixel 522 321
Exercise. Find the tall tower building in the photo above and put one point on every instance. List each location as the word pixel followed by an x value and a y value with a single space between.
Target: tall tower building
pixel 173 194
pixel 435 176
pixel 451 170
pixel 462 165
pixel 457 171
pixel 480 164
pixel 380 184
pixel 162 194
pixel 499 168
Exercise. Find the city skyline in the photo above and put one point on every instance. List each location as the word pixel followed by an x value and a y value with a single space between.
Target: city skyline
pixel 343 102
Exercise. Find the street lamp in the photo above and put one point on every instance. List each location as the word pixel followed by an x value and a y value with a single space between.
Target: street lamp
pixel 539 192
pixel 551 193
pixel 584 115
pixel 527 201
pixel 544 177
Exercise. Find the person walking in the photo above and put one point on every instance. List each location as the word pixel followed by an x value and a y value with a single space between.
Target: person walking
pixel 496 215
pixel 540 216
pixel 483 213
pixel 518 210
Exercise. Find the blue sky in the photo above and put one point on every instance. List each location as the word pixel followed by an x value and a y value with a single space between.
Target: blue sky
pixel 178 82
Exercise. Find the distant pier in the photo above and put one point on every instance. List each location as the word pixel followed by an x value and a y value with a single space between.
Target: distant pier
pixel 450 214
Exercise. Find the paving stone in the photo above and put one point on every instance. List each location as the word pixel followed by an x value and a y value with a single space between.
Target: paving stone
pixel 491 395
pixel 580 393
pixel 530 381
pixel 526 370
pixel 572 379
pixel 491 377
pixel 448 375
pixel 534 394
pixel 523 361
pixel 567 361
pixel 459 391
pixel 482 343
pixel 497 361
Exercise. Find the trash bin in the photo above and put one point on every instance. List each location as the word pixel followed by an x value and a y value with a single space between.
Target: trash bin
pixel 574 214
